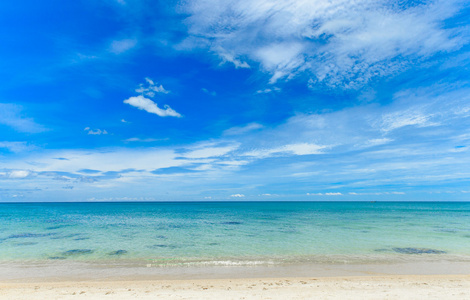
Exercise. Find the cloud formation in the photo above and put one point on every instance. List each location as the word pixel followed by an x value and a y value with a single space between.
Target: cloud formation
pixel 268 90
pixel 325 194
pixel 335 43
pixel 11 115
pixel 143 103
pixel 151 89
pixel 147 140
pixel 121 46
pixel 237 196
pixel 95 131
pixel 16 146
pixel 287 150
pixel 209 150
pixel 16 174
pixel 149 106
pixel 238 130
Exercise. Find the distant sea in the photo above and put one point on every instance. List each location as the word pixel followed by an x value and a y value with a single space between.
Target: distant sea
pixel 234 233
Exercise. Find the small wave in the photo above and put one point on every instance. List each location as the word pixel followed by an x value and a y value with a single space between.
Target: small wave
pixel 209 263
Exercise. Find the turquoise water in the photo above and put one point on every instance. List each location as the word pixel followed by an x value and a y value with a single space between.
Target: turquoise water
pixel 234 232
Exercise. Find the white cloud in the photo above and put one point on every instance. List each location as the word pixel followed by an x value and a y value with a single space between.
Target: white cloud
pixel 95 132
pixel 147 140
pixel 208 158
pixel 99 159
pixel 17 174
pixel 11 115
pixel 84 57
pixel 121 46
pixel 228 57
pixel 302 149
pixel 148 105
pixel 268 90
pixel 325 194
pixel 151 89
pixel 143 103
pixel 337 43
pixel 16 146
pixel 238 130
pixel 459 149
pixel 400 119
pixel 237 196
pixel 208 150
pixel 290 149
pixel 376 142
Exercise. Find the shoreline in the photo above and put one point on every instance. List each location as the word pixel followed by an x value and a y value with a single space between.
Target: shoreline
pixel 420 279
pixel 342 287
pixel 54 271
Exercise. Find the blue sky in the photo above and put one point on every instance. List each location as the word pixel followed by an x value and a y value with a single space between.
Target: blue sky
pixel 123 100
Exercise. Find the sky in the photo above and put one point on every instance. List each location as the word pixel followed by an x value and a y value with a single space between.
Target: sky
pixel 247 100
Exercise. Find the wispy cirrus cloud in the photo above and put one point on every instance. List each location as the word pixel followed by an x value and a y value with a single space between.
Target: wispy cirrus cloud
pixel 209 150
pixel 334 43
pixel 400 119
pixel 17 146
pixel 238 130
pixel 12 115
pixel 121 46
pixel 146 140
pixel 104 51
pixel 373 142
pixel 287 150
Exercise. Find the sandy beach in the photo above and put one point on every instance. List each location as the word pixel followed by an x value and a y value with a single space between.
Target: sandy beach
pixel 420 279
pixel 350 287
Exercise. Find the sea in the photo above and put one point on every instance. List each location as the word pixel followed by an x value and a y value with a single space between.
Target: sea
pixel 165 234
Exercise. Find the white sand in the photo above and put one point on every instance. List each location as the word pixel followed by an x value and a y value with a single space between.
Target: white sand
pixel 352 287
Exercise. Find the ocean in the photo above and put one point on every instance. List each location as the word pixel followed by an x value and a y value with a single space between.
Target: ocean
pixel 163 234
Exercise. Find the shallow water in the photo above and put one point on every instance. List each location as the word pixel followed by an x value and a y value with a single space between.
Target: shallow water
pixel 234 233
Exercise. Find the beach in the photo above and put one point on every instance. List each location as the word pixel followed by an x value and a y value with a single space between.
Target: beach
pixel 355 287
pixel 410 280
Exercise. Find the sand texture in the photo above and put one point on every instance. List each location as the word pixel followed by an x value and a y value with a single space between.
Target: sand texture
pixel 353 287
